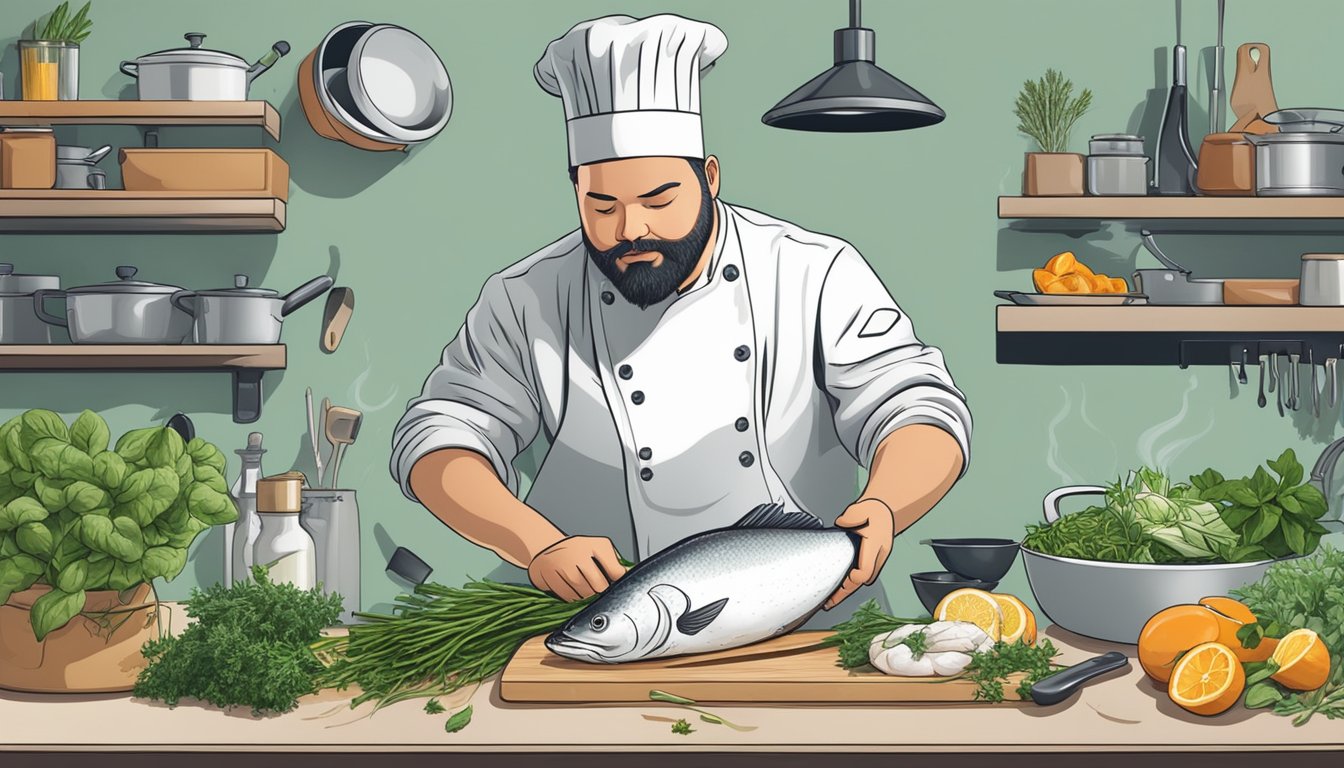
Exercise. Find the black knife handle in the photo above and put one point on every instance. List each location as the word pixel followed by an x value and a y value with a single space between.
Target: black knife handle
pixel 1063 684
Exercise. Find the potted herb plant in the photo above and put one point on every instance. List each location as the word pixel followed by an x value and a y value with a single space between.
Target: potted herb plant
pixel 1046 110
pixel 49 60
pixel 84 532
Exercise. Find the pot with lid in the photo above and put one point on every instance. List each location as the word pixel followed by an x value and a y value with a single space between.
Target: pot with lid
pixel 77 167
pixel 196 73
pixel 126 311
pixel 242 314
pixel 19 323
pixel 1306 156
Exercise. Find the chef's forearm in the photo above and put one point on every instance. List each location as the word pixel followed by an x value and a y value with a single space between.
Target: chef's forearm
pixel 912 470
pixel 461 488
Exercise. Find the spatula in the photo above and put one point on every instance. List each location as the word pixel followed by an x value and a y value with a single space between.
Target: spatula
pixel 342 429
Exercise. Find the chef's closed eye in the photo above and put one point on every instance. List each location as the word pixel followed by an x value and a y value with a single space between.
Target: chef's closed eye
pixel 881 321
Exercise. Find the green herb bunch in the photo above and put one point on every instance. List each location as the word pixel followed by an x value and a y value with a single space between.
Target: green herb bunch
pixel 61 27
pixel 1295 594
pixel 854 635
pixel 1047 110
pixel 439 639
pixel 80 517
pixel 990 669
pixel 1273 518
pixel 249 646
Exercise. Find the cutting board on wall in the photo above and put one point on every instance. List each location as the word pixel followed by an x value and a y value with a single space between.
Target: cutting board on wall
pixel 789 669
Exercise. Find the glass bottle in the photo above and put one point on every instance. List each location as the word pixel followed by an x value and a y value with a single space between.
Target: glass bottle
pixel 282 545
pixel 241 537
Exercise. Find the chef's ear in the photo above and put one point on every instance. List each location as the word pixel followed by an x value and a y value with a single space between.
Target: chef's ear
pixel 712 175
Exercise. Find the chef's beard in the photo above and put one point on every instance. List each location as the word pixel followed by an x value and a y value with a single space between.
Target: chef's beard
pixel 643 284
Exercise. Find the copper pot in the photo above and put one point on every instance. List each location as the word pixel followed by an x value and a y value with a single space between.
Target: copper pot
pixel 1226 165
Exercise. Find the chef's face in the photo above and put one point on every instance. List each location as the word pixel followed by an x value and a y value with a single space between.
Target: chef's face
pixel 647 221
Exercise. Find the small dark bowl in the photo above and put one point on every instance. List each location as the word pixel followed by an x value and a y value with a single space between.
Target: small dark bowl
pixel 985 559
pixel 933 586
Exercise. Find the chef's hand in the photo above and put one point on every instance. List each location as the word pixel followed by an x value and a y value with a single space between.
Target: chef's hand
pixel 576 567
pixel 875 523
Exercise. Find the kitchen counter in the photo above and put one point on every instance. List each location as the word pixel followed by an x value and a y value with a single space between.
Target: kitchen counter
pixel 1124 714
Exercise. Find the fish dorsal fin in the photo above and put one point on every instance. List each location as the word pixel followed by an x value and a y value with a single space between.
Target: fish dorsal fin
pixel 774 516
pixel 692 622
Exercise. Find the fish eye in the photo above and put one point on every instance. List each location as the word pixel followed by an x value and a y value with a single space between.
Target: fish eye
pixel 599 623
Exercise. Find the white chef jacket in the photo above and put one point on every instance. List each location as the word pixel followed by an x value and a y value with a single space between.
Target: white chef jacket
pixel 772 378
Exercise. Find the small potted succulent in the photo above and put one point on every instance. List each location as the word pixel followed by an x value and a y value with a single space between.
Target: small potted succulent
pixel 85 530
pixel 1046 110
pixel 49 59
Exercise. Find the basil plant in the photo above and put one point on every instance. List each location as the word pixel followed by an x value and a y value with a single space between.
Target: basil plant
pixel 78 516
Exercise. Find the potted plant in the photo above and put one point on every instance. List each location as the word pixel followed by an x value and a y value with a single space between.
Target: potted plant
pixel 1046 110
pixel 49 60
pixel 84 532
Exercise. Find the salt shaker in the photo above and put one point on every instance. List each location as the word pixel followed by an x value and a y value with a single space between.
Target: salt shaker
pixel 283 546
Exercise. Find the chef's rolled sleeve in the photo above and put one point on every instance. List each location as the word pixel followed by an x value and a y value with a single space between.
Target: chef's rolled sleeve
pixel 879 376
pixel 481 397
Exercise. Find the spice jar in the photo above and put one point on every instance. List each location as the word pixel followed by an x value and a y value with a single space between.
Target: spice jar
pixel 27 158
pixel 282 545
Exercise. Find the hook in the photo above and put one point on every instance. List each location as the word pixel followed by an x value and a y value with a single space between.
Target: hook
pixel 1241 370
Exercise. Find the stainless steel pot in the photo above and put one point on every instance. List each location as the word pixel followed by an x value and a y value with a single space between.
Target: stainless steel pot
pixel 1301 163
pixel 123 312
pixel 196 73
pixel 244 315
pixel 1173 285
pixel 77 167
pixel 19 323
pixel 1112 601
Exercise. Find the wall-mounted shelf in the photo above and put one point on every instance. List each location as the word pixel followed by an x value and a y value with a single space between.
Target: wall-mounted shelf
pixel 153 114
pixel 1157 208
pixel 1154 335
pixel 246 364
pixel 116 210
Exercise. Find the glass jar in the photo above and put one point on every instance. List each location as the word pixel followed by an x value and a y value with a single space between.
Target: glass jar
pixel 286 549
pixel 332 518
pixel 48 70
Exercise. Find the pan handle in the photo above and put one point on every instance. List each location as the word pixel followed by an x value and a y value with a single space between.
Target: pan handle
pixel 39 306
pixel 131 68
pixel 305 293
pixel 1053 498
pixel 180 300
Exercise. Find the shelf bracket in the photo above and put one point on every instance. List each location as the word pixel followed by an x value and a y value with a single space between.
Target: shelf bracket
pixel 246 395
pixel 152 137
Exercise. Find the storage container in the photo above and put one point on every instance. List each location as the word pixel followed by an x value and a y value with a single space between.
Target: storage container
pixel 1322 279
pixel 27 158
pixel 250 172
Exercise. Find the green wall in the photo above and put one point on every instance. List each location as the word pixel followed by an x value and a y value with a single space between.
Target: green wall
pixel 416 235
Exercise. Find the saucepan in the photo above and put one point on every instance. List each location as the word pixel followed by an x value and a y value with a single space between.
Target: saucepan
pixel 242 314
pixel 196 73
pixel 1174 285
pixel 125 311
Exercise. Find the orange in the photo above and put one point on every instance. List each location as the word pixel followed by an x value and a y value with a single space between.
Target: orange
pixel 1171 632
pixel 1231 616
pixel 973 605
pixel 1304 661
pixel 1207 680
pixel 1082 270
pixel 1041 278
pixel 1100 283
pixel 1070 283
pixel 1061 263
pixel 1017 619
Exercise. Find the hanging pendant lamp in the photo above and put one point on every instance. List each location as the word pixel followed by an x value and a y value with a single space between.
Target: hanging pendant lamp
pixel 855 95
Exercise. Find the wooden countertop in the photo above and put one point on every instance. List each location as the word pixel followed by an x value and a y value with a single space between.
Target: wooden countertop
pixel 1125 713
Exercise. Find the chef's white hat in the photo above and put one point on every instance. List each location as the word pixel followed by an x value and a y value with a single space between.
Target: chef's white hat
pixel 631 87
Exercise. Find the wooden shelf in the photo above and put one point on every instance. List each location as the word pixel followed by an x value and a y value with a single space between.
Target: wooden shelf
pixel 1156 208
pixel 147 113
pixel 1154 335
pixel 113 210
pixel 245 363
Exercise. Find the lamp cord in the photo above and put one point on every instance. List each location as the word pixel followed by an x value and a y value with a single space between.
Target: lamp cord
pixel 855 14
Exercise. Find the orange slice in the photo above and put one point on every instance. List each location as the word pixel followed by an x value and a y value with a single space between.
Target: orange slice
pixel 973 605
pixel 1304 661
pixel 1070 283
pixel 1061 263
pixel 1207 680
pixel 1018 620
pixel 1231 616
pixel 1041 278
pixel 1171 632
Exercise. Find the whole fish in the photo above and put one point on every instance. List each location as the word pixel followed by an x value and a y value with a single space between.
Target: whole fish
pixel 761 578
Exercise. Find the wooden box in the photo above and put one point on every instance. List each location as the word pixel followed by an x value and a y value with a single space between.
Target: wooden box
pixel 158 169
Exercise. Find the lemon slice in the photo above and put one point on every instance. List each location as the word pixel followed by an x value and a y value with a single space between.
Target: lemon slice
pixel 973 605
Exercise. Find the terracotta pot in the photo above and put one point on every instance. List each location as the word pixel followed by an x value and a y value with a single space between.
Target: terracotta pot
pixel 1053 174
pixel 83 656
pixel 1226 165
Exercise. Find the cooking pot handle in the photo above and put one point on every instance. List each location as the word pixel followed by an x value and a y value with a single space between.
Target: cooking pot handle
pixel 39 297
pixel 179 300
pixel 305 293
pixel 131 68
pixel 1053 498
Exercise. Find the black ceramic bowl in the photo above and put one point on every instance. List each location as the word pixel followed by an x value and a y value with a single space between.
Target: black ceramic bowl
pixel 933 586
pixel 986 559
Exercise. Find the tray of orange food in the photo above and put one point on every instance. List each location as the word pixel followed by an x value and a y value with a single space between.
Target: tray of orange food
pixel 1066 281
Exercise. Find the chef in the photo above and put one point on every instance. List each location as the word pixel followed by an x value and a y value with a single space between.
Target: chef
pixel 680 359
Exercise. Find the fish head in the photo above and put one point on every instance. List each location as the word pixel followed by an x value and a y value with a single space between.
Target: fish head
pixel 601 633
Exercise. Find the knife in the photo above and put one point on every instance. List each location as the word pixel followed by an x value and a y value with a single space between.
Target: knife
pixel 1063 684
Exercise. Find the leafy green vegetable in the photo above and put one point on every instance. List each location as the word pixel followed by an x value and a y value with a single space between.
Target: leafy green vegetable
pixel 433 707
pixel 54 609
pixel 854 635
pixel 77 516
pixel 249 646
pixel 989 670
pixel 682 727
pixel 1294 594
pixel 458 721
pixel 1273 518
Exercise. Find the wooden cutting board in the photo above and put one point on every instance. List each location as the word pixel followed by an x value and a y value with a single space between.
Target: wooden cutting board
pixel 789 669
